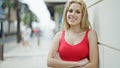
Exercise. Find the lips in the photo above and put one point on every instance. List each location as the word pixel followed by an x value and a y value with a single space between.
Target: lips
pixel 72 19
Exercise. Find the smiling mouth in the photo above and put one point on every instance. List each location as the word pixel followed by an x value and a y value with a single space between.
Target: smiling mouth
pixel 72 19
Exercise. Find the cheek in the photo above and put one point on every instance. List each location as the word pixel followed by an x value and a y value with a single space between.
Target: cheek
pixel 80 18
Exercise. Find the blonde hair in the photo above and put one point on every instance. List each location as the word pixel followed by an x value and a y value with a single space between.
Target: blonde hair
pixel 85 24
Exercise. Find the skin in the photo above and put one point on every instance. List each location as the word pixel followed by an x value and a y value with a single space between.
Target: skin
pixel 73 36
pixel 74 15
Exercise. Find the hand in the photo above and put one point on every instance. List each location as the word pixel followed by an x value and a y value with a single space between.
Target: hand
pixel 77 67
pixel 84 62
pixel 57 57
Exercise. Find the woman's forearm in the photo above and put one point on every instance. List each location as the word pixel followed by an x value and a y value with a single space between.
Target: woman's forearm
pixel 52 62
pixel 60 63
pixel 91 65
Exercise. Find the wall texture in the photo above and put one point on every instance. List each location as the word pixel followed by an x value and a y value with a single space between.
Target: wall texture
pixel 104 17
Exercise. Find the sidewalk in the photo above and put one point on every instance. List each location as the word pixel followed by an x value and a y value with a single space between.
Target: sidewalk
pixel 7 39
pixel 33 56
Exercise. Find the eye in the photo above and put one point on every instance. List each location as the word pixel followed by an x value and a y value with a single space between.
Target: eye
pixel 77 11
pixel 70 10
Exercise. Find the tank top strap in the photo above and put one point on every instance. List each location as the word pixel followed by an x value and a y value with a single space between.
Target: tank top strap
pixel 63 34
pixel 86 35
pixel 62 37
pixel 87 31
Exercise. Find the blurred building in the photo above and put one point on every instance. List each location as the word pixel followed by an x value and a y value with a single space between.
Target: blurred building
pixel 56 8
pixel 2 18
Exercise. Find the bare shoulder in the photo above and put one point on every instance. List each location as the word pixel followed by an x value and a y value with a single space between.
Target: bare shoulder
pixel 92 33
pixel 58 35
pixel 93 39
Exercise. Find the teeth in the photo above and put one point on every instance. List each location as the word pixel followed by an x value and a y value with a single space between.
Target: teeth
pixel 72 18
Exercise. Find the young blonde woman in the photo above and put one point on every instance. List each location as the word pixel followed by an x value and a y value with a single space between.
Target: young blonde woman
pixel 76 45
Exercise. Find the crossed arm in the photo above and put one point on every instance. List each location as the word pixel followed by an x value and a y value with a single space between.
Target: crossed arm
pixel 54 60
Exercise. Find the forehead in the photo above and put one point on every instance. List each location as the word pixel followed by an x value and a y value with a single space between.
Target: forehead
pixel 75 6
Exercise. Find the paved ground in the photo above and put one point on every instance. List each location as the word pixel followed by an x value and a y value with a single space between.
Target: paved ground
pixel 33 56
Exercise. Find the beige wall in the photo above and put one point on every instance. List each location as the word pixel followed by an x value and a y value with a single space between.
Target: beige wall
pixel 104 17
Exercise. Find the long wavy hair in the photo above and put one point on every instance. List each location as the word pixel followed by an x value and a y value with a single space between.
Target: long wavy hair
pixel 85 24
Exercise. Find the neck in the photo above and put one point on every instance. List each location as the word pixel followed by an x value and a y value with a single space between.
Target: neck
pixel 75 30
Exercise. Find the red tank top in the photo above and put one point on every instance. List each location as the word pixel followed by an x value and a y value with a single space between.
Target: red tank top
pixel 77 52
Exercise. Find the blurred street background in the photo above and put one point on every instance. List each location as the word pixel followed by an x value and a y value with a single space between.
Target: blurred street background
pixel 27 28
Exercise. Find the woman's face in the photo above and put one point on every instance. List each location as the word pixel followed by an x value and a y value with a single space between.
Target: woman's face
pixel 74 14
